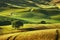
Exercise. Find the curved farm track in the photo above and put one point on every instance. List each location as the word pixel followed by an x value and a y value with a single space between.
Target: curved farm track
pixel 50 34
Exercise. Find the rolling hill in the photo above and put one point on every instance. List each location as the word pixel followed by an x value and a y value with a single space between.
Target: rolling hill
pixel 26 3
pixel 30 10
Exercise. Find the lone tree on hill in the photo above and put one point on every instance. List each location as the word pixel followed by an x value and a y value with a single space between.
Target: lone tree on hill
pixel 17 24
pixel 43 22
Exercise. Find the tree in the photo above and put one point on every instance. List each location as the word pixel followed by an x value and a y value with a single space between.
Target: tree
pixel 17 24
pixel 43 22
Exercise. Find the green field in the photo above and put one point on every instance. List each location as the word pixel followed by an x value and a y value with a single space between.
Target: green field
pixel 32 15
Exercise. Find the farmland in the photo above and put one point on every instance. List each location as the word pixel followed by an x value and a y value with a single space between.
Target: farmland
pixel 32 28
pixel 49 34
pixel 29 20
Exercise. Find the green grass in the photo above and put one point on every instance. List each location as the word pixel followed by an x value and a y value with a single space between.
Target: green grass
pixel 36 16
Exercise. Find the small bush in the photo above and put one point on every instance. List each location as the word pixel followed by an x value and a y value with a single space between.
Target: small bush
pixel 43 22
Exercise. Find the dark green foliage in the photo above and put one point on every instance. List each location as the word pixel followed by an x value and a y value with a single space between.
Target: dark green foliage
pixel 24 3
pixel 3 5
pixel 2 23
pixel 16 24
pixel 5 21
pixel 48 12
pixel 43 22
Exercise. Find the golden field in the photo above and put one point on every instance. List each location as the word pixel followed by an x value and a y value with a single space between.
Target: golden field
pixel 47 34
pixel 9 29
pixel 32 35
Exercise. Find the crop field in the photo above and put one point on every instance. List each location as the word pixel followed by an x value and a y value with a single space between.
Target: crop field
pixel 29 19
pixel 43 32
pixel 49 34
pixel 9 29
pixel 32 28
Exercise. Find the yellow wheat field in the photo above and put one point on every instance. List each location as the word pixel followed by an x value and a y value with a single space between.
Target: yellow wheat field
pixel 49 34
pixel 57 25
pixel 10 29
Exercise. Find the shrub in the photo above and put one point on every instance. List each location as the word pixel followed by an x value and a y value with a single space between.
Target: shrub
pixel 43 22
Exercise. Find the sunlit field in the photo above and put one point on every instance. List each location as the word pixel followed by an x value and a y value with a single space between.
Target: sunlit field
pixel 49 34
pixel 29 19
pixel 9 29
pixel 8 12
pixel 32 15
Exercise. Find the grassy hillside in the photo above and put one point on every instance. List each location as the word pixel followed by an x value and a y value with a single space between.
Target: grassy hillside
pixel 24 3
pixel 33 11
pixel 7 29
pixel 33 15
